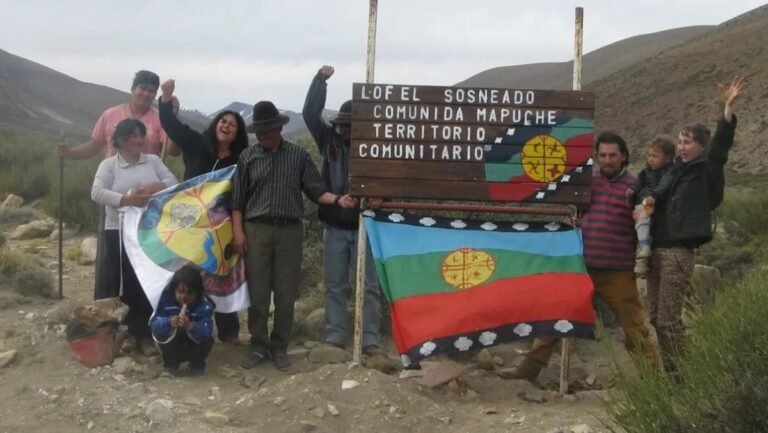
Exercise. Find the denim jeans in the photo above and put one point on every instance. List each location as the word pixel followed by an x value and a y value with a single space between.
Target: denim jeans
pixel 340 263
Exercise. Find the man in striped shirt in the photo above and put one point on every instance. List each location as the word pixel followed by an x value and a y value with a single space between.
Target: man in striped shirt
pixel 266 216
pixel 609 253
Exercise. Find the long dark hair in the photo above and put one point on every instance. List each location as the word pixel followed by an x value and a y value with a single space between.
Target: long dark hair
pixel 125 129
pixel 241 137
pixel 190 275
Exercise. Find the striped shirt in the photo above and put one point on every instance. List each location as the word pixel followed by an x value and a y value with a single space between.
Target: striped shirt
pixel 608 227
pixel 269 184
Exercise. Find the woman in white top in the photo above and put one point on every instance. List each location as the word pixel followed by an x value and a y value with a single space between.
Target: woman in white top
pixel 128 178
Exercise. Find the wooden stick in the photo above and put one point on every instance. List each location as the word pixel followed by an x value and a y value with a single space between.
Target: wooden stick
pixel 567 346
pixel 362 241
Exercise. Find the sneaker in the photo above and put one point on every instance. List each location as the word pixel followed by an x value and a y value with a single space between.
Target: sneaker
pixel 281 361
pixel 644 252
pixel 232 340
pixel 527 369
pixel 253 359
pixel 641 268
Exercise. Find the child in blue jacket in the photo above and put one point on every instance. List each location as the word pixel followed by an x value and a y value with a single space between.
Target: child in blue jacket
pixel 182 324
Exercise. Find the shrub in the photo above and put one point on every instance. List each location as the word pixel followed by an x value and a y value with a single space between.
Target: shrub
pixel 723 376
pixel 26 273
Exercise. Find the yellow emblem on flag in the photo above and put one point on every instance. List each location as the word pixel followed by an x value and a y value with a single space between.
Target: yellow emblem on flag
pixel 543 158
pixel 467 267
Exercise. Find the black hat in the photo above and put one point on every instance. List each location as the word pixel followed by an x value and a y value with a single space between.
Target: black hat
pixel 266 117
pixel 344 116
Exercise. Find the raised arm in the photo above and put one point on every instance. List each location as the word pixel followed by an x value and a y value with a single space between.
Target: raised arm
pixel 314 105
pixel 185 138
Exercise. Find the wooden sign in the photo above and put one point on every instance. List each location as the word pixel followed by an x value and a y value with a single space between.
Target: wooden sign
pixel 471 143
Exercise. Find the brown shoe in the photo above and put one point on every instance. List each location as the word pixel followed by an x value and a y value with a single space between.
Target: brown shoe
pixel 527 369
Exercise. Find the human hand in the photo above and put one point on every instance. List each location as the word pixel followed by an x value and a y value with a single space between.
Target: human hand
pixel 630 192
pixel 375 203
pixel 151 188
pixel 239 243
pixel 184 322
pixel 62 151
pixel 732 92
pixel 327 71
pixel 168 87
pixel 175 321
pixel 347 202
pixel 134 198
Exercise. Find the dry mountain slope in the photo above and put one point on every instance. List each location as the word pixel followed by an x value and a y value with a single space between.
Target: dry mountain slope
pixel 596 64
pixel 35 98
pixel 676 87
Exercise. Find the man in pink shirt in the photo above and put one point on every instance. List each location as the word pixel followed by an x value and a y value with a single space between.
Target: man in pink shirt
pixel 143 92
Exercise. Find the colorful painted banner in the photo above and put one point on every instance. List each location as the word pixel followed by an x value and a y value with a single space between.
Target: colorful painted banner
pixel 456 285
pixel 188 222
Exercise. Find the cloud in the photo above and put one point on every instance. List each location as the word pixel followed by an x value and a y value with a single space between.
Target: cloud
pixel 251 50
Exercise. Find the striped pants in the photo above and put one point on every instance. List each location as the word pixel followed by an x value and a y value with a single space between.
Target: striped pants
pixel 668 282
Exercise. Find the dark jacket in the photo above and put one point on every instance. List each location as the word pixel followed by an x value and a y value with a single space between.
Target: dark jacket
pixel 647 180
pixel 199 158
pixel 335 152
pixel 689 192
pixel 200 313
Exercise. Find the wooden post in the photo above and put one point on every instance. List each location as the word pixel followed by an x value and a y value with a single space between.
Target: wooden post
pixel 565 360
pixel 362 241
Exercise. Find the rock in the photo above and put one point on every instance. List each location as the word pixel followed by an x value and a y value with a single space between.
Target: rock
pixel 70 231
pixel 160 411
pixel 327 354
pixel 215 418
pixel 349 384
pixel 307 426
pixel 333 410
pixel 125 365
pixel 498 360
pixel 90 425
pixel 438 373
pixel 137 389
pixel 227 373
pixel 515 420
pixel 278 401
pixel 30 316
pixel 192 401
pixel 580 428
pixel 33 230
pixel 534 395
pixel 484 360
pixel 590 380
pixel 87 251
pixel 12 202
pixel 313 325
pixel 252 381
pixel 215 393
pixel 7 357
pixel 318 412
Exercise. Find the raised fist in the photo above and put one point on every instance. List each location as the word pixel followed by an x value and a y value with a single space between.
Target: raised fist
pixel 327 71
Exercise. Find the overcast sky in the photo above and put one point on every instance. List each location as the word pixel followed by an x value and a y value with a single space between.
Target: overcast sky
pixel 224 51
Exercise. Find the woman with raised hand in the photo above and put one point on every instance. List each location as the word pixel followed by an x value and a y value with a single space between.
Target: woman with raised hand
pixel 217 147
pixel 127 178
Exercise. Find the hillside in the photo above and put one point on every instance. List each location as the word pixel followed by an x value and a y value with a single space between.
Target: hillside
pixel 293 129
pixel 36 98
pixel 596 64
pixel 678 86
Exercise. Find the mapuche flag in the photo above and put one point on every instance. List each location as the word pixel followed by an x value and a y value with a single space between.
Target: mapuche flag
pixel 188 223
pixel 456 285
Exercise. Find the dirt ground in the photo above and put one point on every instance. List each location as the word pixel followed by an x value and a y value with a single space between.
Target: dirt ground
pixel 45 389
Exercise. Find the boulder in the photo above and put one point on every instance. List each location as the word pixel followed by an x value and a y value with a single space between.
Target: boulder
pixel 160 411
pixel 327 354
pixel 7 357
pixel 484 360
pixel 313 325
pixel 33 230
pixel 12 202
pixel 87 251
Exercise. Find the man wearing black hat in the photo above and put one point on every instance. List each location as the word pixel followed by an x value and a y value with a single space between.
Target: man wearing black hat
pixel 340 234
pixel 266 214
